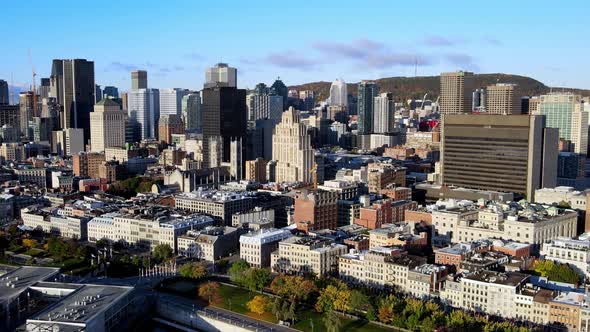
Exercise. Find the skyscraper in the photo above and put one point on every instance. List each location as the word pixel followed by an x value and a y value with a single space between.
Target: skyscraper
pixel 44 89
pixel 4 97
pixel 191 112
pixel 144 109
pixel 26 111
pixel 107 126
pixel 72 83
pixel 281 89
pixel 139 79
pixel 503 98
pixel 224 114
pixel 97 93
pixel 221 75
pixel 67 142
pixel 171 101
pixel 384 109
pixel 367 91
pixel 338 94
pixel 515 153
pixel 169 124
pixel 291 148
pixel 456 92
pixel 264 103
pixel 110 92
pixel 565 111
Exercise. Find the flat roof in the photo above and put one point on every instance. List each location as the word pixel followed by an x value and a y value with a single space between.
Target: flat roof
pixel 16 280
pixel 499 278
pixel 83 304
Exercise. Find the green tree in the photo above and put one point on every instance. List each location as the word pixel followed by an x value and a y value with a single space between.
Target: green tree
pixel 334 297
pixel 331 322
pixel 292 313
pixel 294 288
pixel 358 301
pixel 57 248
pixel 237 270
pixel 162 252
pixel 277 307
pixel 256 279
pixel 194 270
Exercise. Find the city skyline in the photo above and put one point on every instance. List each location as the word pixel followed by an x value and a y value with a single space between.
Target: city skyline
pixel 336 45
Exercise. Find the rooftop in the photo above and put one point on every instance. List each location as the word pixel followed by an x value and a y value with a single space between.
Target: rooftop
pixel 15 280
pixel 507 279
pixel 83 304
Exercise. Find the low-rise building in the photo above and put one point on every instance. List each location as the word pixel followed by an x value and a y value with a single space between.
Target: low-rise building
pixel 221 205
pixel 74 227
pixel 209 244
pixel 256 247
pixel 307 255
pixel 575 253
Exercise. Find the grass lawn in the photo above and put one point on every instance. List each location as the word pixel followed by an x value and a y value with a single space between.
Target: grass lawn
pixel 235 299
pixel 305 319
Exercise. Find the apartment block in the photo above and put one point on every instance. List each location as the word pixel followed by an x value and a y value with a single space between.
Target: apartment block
pixel 307 255
pixel 256 247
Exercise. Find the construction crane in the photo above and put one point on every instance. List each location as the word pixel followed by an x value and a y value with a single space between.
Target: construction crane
pixel 423 99
pixel 314 171
pixel 33 87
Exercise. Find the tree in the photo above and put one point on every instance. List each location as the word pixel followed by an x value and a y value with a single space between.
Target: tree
pixel 556 272
pixel 331 322
pixel 194 270
pixel 277 307
pixel 57 248
pixel 385 313
pixel 209 291
pixel 292 314
pixel 237 270
pixel 358 301
pixel 162 252
pixel 294 288
pixel 258 304
pixel 334 297
pixel 29 243
pixel 256 279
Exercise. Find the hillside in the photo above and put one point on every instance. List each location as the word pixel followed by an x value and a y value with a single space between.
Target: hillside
pixel 415 87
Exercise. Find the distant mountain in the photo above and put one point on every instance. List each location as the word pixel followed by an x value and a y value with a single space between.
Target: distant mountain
pixel 415 87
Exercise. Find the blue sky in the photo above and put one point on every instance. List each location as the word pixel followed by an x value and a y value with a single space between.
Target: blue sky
pixel 300 41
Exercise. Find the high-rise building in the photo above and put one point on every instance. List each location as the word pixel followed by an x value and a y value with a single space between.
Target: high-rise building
pixel 367 91
pixel 26 100
pixel 221 75
pixel 171 101
pixel 503 98
pixel 256 170
pixel 68 141
pixel 139 80
pixel 97 93
pixel 281 89
pixel 86 164
pixel 169 124
pixel 144 109
pixel 236 159
pixel 338 94
pixel 307 98
pixel 316 209
pixel 384 112
pixel 478 100
pixel 565 111
pixel 291 148
pixel 515 153
pixel 110 92
pixel 124 101
pixel 224 114
pixel 191 112
pixel 107 126
pixel 72 83
pixel 4 93
pixel 456 92
pixel 44 89
pixel 264 103
pixel 10 115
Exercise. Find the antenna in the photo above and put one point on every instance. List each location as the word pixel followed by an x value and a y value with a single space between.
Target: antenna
pixel 33 87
